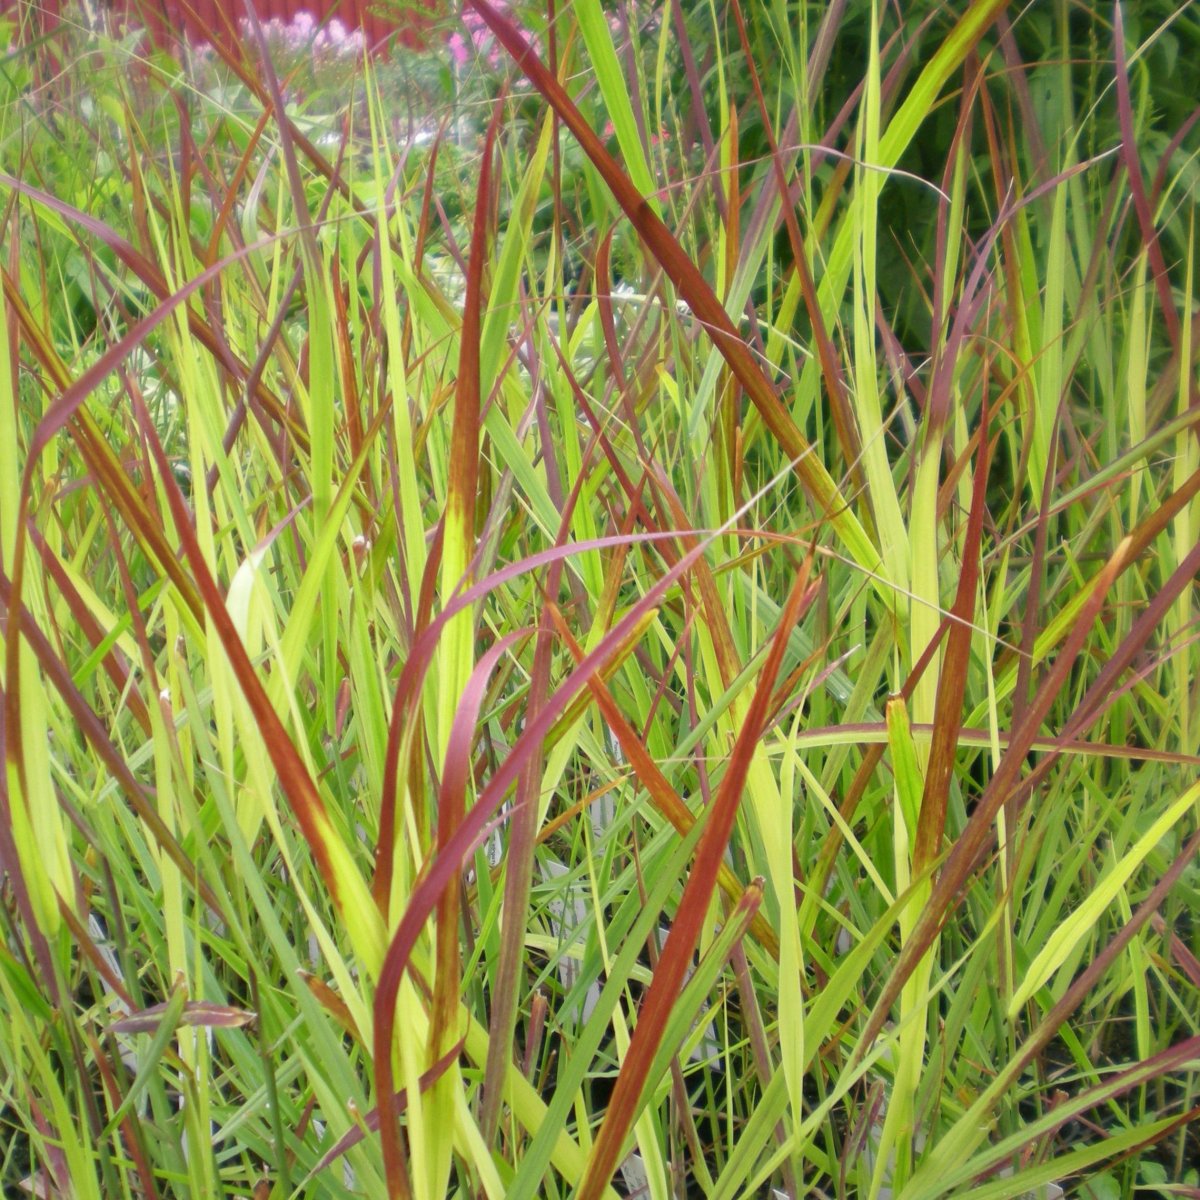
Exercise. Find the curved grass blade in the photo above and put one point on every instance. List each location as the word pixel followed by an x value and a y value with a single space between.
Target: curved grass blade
pixel 697 293
pixel 693 905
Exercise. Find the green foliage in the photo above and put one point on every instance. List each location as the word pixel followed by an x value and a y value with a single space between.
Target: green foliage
pixel 625 622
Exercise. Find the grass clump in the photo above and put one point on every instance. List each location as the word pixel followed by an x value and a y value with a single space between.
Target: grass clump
pixel 605 608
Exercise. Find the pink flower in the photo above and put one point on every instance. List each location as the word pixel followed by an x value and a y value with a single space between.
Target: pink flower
pixel 479 41
pixel 301 27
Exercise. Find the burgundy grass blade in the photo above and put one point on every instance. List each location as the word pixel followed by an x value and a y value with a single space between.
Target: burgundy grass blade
pixel 459 528
pixel 523 839
pixel 474 828
pixel 693 907
pixel 297 784
pixel 399 1102
pixel 844 422
pixel 99 456
pixel 948 885
pixel 1087 979
pixel 148 274
pixel 140 798
pixel 456 774
pixel 115 666
pixel 664 797
pixel 130 1127
pixel 678 266
pixel 952 681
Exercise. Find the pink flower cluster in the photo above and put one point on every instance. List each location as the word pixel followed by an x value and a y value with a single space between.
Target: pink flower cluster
pixel 302 33
pixel 477 43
